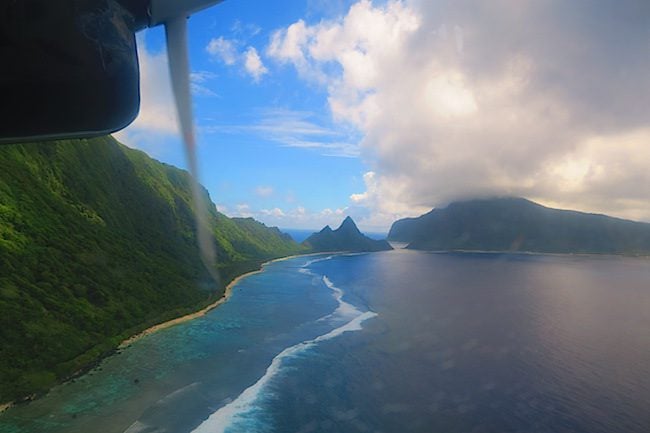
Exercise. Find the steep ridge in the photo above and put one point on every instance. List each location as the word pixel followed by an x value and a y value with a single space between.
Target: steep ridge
pixel 97 241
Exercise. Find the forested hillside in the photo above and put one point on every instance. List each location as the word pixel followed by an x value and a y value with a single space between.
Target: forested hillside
pixel 517 224
pixel 97 241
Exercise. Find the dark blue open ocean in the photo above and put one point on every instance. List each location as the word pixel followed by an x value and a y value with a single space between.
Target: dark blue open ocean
pixel 398 341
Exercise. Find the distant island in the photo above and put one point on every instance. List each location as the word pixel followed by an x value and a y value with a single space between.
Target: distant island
pixel 345 238
pixel 517 224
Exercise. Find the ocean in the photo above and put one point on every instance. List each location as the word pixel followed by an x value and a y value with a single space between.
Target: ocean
pixel 300 235
pixel 396 341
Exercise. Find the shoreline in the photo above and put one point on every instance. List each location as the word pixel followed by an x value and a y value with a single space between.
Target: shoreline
pixel 182 319
pixel 203 311
pixel 186 318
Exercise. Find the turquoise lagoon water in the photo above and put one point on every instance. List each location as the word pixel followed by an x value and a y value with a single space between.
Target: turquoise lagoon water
pixel 397 341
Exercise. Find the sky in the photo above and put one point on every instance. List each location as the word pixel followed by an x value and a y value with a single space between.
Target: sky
pixel 307 111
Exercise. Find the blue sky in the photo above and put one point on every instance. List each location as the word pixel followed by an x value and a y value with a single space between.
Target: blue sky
pixel 308 111
pixel 265 143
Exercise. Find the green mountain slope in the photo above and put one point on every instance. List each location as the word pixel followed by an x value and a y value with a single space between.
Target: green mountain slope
pixel 517 224
pixel 97 241
pixel 345 238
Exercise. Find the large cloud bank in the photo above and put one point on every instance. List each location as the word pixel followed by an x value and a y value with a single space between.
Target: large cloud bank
pixel 456 99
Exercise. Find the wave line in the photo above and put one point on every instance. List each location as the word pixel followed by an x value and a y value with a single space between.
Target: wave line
pixel 228 415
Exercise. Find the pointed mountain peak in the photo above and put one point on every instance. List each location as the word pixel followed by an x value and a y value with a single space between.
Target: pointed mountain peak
pixel 348 225
pixel 345 238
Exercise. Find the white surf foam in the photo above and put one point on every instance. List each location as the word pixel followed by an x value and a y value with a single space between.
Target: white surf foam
pixel 235 411
pixel 344 308
pixel 226 416
pixel 305 267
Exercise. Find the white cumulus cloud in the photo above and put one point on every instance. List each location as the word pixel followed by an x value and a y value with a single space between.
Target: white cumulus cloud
pixel 253 64
pixel 463 98
pixel 227 51
pixel 156 121
pixel 297 217
pixel 222 49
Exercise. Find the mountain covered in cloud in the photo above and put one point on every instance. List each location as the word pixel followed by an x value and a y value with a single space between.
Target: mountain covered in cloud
pixel 345 238
pixel 483 104
pixel 517 224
